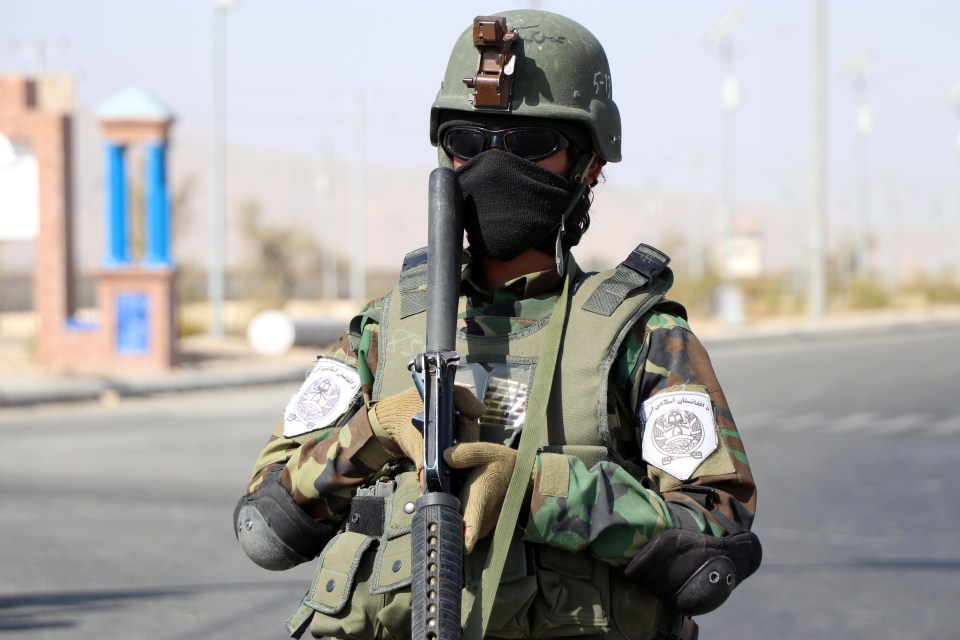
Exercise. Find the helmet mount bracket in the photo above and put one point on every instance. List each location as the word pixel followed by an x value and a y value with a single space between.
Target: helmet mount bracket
pixel 493 83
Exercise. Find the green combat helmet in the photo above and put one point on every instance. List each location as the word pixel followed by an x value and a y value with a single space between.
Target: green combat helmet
pixel 536 64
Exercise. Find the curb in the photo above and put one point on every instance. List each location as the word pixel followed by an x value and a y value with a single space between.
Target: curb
pixel 712 335
pixel 18 392
pixel 108 390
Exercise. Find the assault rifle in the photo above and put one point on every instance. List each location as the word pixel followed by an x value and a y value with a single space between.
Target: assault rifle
pixel 437 530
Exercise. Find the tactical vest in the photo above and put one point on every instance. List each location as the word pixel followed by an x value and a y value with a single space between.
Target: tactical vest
pixel 361 589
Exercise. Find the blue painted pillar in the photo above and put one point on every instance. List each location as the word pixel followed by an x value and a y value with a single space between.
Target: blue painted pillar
pixel 158 206
pixel 118 252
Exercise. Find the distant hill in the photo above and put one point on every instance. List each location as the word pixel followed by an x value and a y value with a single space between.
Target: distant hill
pixel 312 195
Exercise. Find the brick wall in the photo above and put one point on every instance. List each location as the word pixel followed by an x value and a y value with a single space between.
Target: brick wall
pixel 48 134
pixel 63 344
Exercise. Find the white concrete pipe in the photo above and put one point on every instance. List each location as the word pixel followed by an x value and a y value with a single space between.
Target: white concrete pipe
pixel 274 332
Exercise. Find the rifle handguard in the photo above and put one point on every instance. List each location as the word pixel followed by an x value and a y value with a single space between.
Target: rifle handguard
pixel 437 530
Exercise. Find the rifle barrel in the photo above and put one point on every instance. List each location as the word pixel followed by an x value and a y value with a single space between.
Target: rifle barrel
pixel 445 242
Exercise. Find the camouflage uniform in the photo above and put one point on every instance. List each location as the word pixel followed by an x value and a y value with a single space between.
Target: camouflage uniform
pixel 603 533
pixel 608 511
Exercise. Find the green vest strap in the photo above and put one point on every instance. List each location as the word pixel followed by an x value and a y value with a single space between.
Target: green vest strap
pixel 357 322
pixel 642 265
pixel 536 419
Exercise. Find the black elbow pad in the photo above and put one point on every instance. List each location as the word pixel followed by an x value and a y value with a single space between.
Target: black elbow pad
pixel 274 531
pixel 692 572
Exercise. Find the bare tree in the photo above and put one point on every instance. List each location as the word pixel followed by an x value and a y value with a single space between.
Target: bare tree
pixel 282 255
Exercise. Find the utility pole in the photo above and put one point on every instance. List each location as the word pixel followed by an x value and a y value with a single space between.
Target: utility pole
pixel 696 215
pixel 953 102
pixel 358 274
pixel 40 58
pixel 816 273
pixel 651 213
pixel 730 301
pixel 323 183
pixel 890 237
pixel 216 271
pixel 855 70
pixel 38 51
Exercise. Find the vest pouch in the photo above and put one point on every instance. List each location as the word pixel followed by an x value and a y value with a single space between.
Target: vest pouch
pixel 573 598
pixel 364 615
pixel 635 612
pixel 510 616
pixel 332 587
pixel 377 601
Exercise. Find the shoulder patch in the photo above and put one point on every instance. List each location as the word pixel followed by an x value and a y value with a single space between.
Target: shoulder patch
pixel 331 389
pixel 679 431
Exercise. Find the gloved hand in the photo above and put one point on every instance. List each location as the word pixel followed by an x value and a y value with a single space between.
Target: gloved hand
pixel 469 409
pixel 393 417
pixel 486 486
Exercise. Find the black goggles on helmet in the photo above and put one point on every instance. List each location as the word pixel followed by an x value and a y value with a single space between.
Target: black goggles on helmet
pixel 531 143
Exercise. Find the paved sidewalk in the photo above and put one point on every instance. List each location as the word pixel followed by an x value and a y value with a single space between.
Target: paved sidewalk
pixel 209 363
pixel 204 363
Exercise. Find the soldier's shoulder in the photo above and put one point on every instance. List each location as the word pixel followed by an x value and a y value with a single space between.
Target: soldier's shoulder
pixel 665 318
pixel 374 304
pixel 369 316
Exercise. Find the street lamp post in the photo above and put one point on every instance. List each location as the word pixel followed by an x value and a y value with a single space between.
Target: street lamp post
pixel 323 185
pixel 890 236
pixel 216 272
pixel 696 215
pixel 855 70
pixel 816 272
pixel 953 102
pixel 358 274
pixel 729 299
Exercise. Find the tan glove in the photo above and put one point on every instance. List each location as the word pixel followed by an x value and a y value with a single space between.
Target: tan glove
pixel 485 488
pixel 470 408
pixel 392 418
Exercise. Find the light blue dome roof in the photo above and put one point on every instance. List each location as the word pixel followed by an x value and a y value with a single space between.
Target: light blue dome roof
pixel 134 103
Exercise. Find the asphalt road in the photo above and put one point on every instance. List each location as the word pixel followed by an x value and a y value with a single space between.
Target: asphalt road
pixel 852 441
pixel 115 522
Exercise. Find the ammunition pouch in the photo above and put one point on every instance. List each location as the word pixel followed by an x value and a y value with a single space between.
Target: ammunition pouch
pixel 361 589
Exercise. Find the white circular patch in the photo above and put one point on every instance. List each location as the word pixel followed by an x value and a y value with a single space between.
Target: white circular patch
pixel 330 390
pixel 679 431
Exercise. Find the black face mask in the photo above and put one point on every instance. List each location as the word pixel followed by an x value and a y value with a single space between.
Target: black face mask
pixel 511 205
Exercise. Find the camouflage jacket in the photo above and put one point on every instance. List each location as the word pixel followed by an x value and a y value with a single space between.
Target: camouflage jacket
pixel 608 510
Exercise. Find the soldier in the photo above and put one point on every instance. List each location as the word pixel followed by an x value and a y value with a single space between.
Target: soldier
pixel 640 500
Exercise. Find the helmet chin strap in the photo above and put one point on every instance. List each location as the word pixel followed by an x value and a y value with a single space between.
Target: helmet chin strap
pixel 579 174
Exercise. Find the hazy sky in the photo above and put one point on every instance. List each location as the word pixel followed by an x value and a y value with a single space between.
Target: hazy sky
pixel 294 68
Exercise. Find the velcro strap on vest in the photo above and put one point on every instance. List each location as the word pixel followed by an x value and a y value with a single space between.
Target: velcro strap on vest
pixel 589 455
pixel 642 265
pixel 413 283
pixel 366 515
